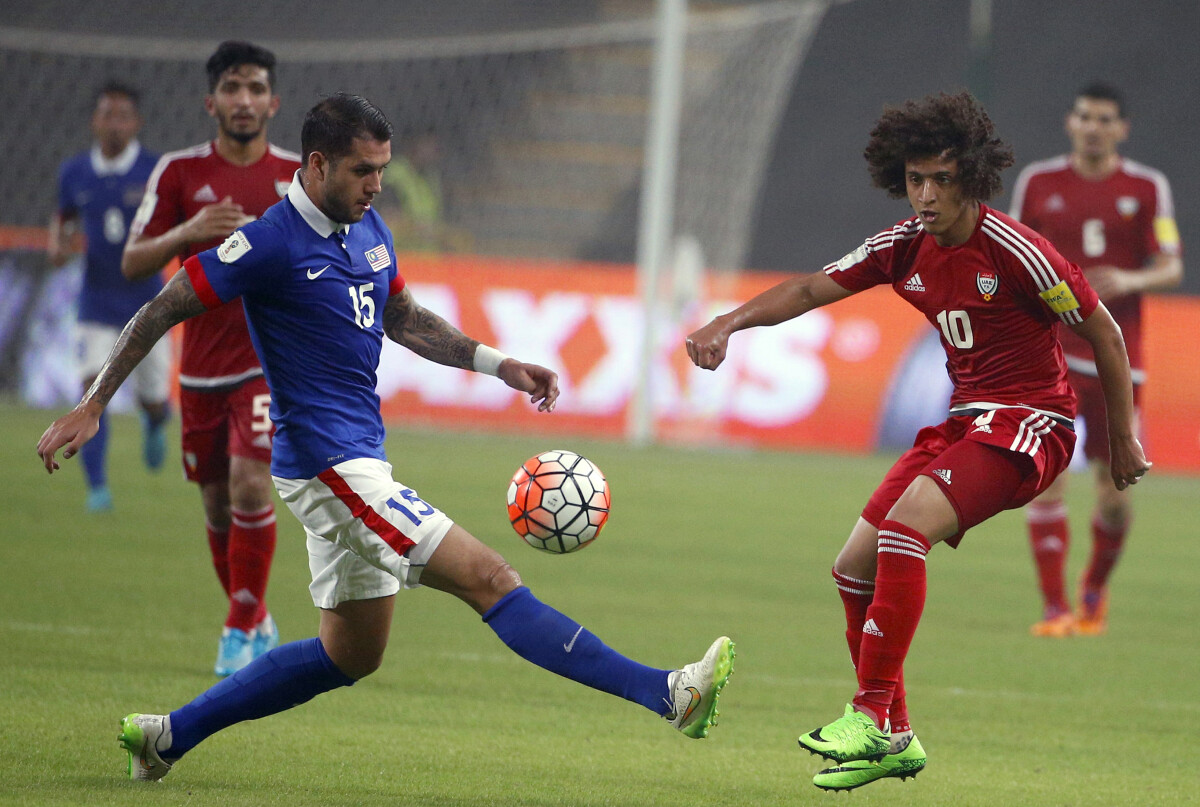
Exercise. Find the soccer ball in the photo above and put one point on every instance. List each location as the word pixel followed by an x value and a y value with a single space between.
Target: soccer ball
pixel 558 501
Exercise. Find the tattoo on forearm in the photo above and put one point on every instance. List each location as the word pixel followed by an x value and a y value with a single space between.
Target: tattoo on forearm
pixel 175 303
pixel 427 334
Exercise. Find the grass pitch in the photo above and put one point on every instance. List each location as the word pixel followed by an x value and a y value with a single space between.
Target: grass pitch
pixel 104 615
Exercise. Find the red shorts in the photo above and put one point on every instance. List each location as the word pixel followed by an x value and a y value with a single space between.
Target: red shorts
pixel 1024 448
pixel 219 425
pixel 1095 414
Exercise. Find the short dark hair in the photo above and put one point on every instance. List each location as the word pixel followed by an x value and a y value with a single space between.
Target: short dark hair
pixel 952 126
pixel 113 87
pixel 235 53
pixel 332 126
pixel 1103 91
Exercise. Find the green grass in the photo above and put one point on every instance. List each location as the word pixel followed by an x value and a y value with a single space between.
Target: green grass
pixel 103 615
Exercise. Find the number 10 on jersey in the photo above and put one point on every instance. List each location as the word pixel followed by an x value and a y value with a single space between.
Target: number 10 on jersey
pixel 956 327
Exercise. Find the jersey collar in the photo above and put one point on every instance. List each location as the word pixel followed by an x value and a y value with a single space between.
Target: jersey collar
pixel 118 165
pixel 313 217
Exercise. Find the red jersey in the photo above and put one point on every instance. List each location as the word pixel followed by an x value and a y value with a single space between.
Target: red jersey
pixel 1122 220
pixel 216 345
pixel 995 299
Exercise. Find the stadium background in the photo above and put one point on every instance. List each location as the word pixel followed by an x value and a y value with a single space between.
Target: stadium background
pixel 542 109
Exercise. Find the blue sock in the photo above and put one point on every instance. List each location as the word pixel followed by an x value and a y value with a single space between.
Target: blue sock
pixel 93 455
pixel 538 633
pixel 288 676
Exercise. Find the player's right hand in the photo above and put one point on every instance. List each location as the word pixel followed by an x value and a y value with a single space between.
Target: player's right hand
pixel 539 382
pixel 71 430
pixel 215 221
pixel 706 347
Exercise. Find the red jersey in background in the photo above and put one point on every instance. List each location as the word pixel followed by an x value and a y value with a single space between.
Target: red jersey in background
pixel 1122 220
pixel 216 345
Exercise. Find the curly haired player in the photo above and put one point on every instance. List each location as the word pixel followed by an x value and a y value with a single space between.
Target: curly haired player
pixel 995 290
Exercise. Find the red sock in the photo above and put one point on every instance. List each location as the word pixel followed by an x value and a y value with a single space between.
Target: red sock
pixel 892 617
pixel 218 544
pixel 251 548
pixel 1107 542
pixel 856 598
pixel 1049 537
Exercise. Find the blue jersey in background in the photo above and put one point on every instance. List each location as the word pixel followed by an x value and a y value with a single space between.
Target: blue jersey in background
pixel 104 194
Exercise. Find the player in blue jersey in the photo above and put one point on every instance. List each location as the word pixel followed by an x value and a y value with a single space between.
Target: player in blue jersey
pixel 100 190
pixel 319 281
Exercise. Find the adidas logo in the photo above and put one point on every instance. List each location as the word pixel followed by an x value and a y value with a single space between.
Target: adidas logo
pixel 943 474
pixel 986 429
pixel 205 194
pixel 872 628
pixel 914 283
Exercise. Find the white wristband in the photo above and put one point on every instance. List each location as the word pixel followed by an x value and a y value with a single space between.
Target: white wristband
pixel 488 359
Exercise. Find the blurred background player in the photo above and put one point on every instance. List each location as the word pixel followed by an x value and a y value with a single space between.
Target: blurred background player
pixel 417 213
pixel 195 198
pixel 1114 218
pixel 996 292
pixel 101 189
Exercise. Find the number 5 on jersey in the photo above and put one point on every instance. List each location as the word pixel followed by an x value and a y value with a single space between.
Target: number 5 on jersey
pixel 364 305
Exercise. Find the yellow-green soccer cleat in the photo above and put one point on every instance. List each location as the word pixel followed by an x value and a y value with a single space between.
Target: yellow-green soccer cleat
pixel 852 736
pixel 142 736
pixel 696 688
pixel 856 773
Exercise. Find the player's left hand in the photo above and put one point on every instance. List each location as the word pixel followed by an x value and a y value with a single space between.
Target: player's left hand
pixel 541 383
pixel 1128 464
pixel 71 430
pixel 1111 282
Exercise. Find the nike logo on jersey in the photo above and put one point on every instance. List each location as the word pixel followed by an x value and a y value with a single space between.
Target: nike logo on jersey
pixel 914 283
pixel 569 645
pixel 314 275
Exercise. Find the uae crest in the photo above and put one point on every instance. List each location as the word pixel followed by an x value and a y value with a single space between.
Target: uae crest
pixel 987 283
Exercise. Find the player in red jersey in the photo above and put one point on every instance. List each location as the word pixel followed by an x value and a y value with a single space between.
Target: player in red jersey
pixel 195 198
pixel 995 290
pixel 1114 218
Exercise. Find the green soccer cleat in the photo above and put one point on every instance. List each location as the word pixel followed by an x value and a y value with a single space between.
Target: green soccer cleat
pixel 859 772
pixel 852 736
pixel 696 688
pixel 141 736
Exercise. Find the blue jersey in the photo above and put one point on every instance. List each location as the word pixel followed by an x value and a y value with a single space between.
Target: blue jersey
pixel 314 293
pixel 104 195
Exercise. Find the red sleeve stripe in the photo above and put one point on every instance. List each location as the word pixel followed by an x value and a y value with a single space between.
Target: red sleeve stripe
pixel 397 285
pixel 363 512
pixel 204 290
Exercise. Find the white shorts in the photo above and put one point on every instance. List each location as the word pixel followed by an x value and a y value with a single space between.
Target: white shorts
pixel 151 378
pixel 367 533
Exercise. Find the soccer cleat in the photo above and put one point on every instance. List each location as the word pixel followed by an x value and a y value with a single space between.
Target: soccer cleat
pixel 859 772
pixel 266 637
pixel 235 650
pixel 1092 617
pixel 852 736
pixel 142 736
pixel 696 688
pixel 154 443
pixel 1055 627
pixel 99 500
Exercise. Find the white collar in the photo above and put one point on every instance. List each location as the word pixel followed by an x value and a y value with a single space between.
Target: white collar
pixel 312 215
pixel 118 165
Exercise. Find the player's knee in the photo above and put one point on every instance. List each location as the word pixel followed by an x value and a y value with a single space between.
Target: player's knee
pixel 497 580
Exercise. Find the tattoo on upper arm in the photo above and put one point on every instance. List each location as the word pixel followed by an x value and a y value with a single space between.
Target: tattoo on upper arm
pixel 425 333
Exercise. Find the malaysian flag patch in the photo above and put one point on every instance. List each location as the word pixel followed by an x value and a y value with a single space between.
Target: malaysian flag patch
pixel 378 258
